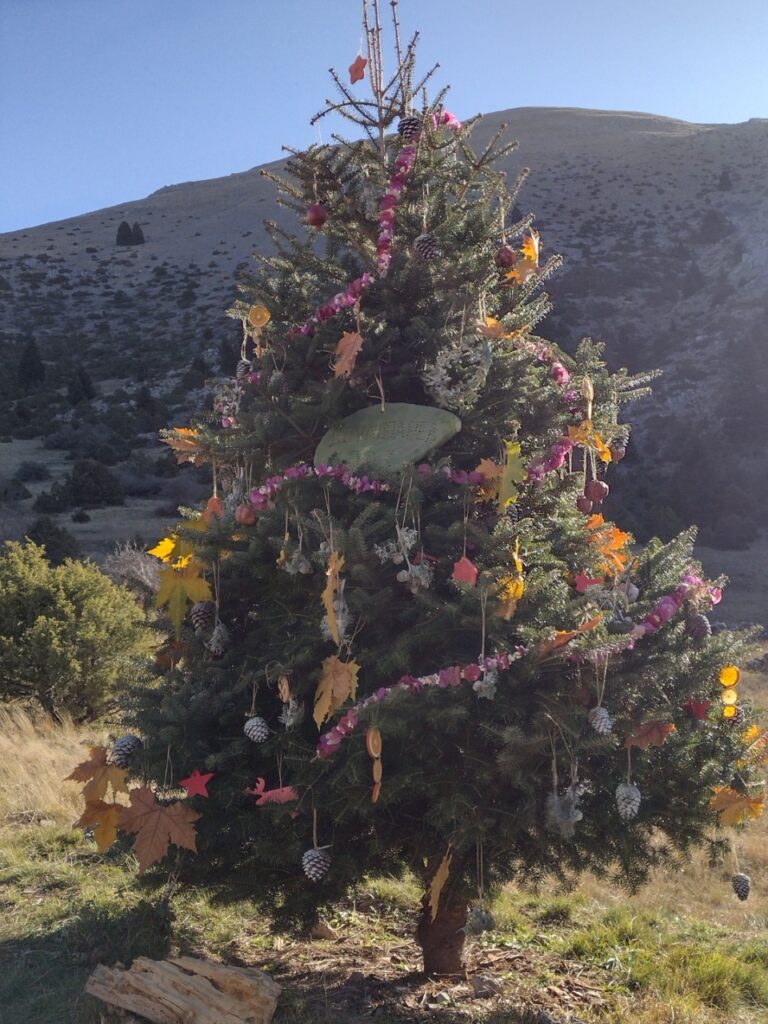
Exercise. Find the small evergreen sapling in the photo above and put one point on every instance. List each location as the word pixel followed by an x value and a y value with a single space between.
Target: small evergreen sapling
pixel 463 605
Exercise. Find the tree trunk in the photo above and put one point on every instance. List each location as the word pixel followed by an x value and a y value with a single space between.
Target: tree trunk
pixel 442 940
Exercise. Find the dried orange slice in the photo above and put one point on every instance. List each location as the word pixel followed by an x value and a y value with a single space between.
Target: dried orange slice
pixel 373 742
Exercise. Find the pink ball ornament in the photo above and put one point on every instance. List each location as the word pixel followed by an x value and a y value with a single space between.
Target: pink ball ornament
pixel 596 491
pixel 317 215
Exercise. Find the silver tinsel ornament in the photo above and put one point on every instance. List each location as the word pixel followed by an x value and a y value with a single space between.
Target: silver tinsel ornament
pixel 219 641
pixel 486 685
pixel 741 885
pixel 479 921
pixel 292 714
pixel 628 798
pixel 256 729
pixel 562 810
pixel 315 863
pixel 124 750
pixel 600 720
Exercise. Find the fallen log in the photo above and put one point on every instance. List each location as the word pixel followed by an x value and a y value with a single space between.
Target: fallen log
pixel 186 990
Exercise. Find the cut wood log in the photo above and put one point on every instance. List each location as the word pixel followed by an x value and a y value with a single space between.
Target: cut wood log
pixel 186 990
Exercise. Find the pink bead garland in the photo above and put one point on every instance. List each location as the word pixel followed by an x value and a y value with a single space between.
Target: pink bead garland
pixel 261 496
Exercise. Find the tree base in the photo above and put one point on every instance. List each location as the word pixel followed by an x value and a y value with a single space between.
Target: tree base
pixel 442 940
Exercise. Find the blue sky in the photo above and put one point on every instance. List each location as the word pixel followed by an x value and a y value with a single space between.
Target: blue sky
pixel 104 101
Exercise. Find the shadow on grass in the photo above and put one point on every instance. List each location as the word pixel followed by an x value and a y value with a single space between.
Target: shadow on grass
pixel 42 976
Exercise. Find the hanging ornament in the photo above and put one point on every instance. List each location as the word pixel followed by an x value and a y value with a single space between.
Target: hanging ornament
pixel 465 571
pixel 409 127
pixel 203 616
pixel 505 257
pixel 596 491
pixel 243 368
pixel 282 795
pixel 741 885
pixel 292 714
pixel 357 69
pixel 426 247
pixel 197 783
pixel 373 745
pixel 628 798
pixel 317 215
pixel 479 921
pixel 315 863
pixel 124 750
pixel 562 810
pixel 583 504
pixel 487 684
pixel 256 729
pixel 698 627
pixel 219 641
pixel 600 720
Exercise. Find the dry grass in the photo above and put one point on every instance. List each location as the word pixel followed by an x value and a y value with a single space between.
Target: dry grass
pixel 38 754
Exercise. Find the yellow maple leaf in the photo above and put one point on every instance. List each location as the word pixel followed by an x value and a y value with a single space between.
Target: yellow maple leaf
pixel 97 774
pixel 735 808
pixel 522 271
pixel 531 246
pixel 338 683
pixel 335 565
pixel 179 586
pixel 346 353
pixel 437 884
pixel 164 549
pixel 491 328
pixel 102 817
pixel 513 472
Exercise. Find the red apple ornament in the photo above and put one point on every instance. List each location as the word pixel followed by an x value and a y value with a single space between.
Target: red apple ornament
pixel 583 504
pixel 317 215
pixel 596 491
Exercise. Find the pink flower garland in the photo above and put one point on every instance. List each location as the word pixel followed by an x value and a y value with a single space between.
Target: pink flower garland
pixel 261 496
pixel 342 300
pixel 452 676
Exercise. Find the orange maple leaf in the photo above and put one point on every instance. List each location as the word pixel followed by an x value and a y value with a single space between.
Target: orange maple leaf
pixel 735 808
pixel 156 825
pixel 337 683
pixel 333 572
pixel 347 352
pixel 104 817
pixel 357 69
pixel 185 443
pixel 97 774
pixel 650 734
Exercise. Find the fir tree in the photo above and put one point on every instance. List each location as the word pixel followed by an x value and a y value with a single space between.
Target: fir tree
pixel 137 235
pixel 31 368
pixel 124 234
pixel 436 640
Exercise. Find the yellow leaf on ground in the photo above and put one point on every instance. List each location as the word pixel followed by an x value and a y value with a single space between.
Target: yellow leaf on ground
pixel 735 808
pixel 346 353
pixel 104 817
pixel 156 826
pixel 97 775
pixel 437 885
pixel 337 684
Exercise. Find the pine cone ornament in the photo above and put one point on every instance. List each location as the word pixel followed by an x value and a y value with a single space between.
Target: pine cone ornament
pixel 244 367
pixel 628 800
pixel 600 720
pixel 124 749
pixel 512 512
pixel 698 627
pixel 409 127
pixel 739 718
pixel 316 863
pixel 203 615
pixel 479 921
pixel 426 247
pixel 256 729
pixel 741 886
pixel 219 641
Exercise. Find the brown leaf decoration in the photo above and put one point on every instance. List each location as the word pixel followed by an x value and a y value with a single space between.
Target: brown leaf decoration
pixel 735 808
pixel 104 817
pixel 650 734
pixel 97 775
pixel 156 826
pixel 337 684
pixel 437 885
pixel 186 444
pixel 335 565
pixel 346 353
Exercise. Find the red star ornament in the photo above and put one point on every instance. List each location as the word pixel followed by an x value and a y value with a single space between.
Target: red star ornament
pixel 465 571
pixel 197 784
pixel 357 69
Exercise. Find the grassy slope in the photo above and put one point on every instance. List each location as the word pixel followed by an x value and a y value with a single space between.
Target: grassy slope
pixel 684 951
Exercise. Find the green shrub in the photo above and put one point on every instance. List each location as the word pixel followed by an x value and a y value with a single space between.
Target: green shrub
pixel 68 634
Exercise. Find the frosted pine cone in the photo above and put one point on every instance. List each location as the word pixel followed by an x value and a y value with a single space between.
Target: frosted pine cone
pixel 219 641
pixel 203 615
pixel 316 863
pixel 698 627
pixel 628 800
pixel 600 720
pixel 124 749
pixel 409 127
pixel 426 247
pixel 244 367
pixel 256 729
pixel 741 886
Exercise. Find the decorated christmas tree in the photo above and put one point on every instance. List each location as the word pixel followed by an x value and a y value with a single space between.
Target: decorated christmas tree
pixel 405 638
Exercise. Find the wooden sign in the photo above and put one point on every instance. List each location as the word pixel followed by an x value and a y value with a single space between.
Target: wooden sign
pixel 387 439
